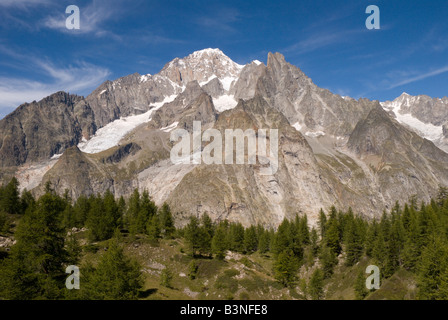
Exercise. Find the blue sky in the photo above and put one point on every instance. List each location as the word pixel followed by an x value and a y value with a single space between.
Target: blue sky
pixel 327 39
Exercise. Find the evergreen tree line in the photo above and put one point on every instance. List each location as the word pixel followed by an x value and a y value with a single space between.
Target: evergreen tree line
pixel 46 243
pixel 413 237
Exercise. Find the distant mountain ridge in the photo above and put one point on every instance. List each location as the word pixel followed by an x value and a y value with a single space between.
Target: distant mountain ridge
pixel 332 150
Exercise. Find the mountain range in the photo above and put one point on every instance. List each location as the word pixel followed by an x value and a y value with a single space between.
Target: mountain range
pixel 333 150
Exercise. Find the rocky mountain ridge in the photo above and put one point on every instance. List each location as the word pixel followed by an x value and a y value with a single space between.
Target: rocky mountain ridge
pixel 332 150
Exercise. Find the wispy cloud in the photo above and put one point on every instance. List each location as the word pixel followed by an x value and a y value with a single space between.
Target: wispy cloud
pixel 222 21
pixel 320 40
pixel 75 78
pixel 23 3
pixel 411 79
pixel 92 18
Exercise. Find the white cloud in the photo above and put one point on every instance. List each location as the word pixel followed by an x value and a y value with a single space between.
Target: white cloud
pixel 91 18
pixel 82 76
pixel 23 3
pixel 419 77
pixel 320 40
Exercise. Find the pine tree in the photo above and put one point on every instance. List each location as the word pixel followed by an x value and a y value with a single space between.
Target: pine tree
pixel 166 277
pixel 360 286
pixel 250 240
pixel 112 213
pixel 219 241
pixel 192 234
pixel 316 286
pixel 282 240
pixel 432 269
pixel 236 237
pixel 116 276
pixel 332 234
pixel 263 242
pixel 328 261
pixel 99 222
pixel 371 235
pixel 146 209
pixel 322 223
pixel 133 212
pixel 314 240
pixel 166 222
pixel 295 241
pixel 304 231
pixel 4 222
pixel 73 249
pixel 285 268
pixel 81 209
pixel 152 228
pixel 353 243
pixel 193 268
pixel 26 201
pixel 36 260
pixel 10 200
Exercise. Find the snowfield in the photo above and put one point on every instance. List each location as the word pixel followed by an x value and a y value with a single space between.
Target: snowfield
pixel 426 130
pixel 111 134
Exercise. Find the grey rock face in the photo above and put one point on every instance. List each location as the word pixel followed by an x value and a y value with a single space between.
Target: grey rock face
pixel 78 173
pixel 340 151
pixel 287 89
pixel 38 130
pixel 425 115
pixel 214 88
pixel 129 95
pixel 404 162
pixel 193 104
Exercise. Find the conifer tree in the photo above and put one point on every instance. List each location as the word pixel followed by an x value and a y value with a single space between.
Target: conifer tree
pixel 192 234
pixel 322 223
pixel 236 237
pixel 282 240
pixel 166 221
pixel 193 268
pixel 263 242
pixel 332 234
pixel 353 243
pixel 10 198
pixel 360 286
pixel 26 201
pixel 316 286
pixel 81 209
pixel 37 259
pixel 133 212
pixel 166 277
pixel 314 240
pixel 304 231
pixel 73 249
pixel 152 228
pixel 146 209
pixel 219 241
pixel 328 260
pixel 100 221
pixel 116 277
pixel 250 240
pixel 432 269
pixel 285 268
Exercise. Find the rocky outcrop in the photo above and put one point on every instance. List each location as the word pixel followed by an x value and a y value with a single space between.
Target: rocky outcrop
pixel 36 131
pixel 122 152
pixel 78 173
pixel 332 150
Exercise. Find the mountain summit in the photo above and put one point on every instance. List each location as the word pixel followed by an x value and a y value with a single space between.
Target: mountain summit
pixel 332 150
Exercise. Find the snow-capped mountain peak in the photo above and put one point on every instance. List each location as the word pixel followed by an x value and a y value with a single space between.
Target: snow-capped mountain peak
pixel 201 66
